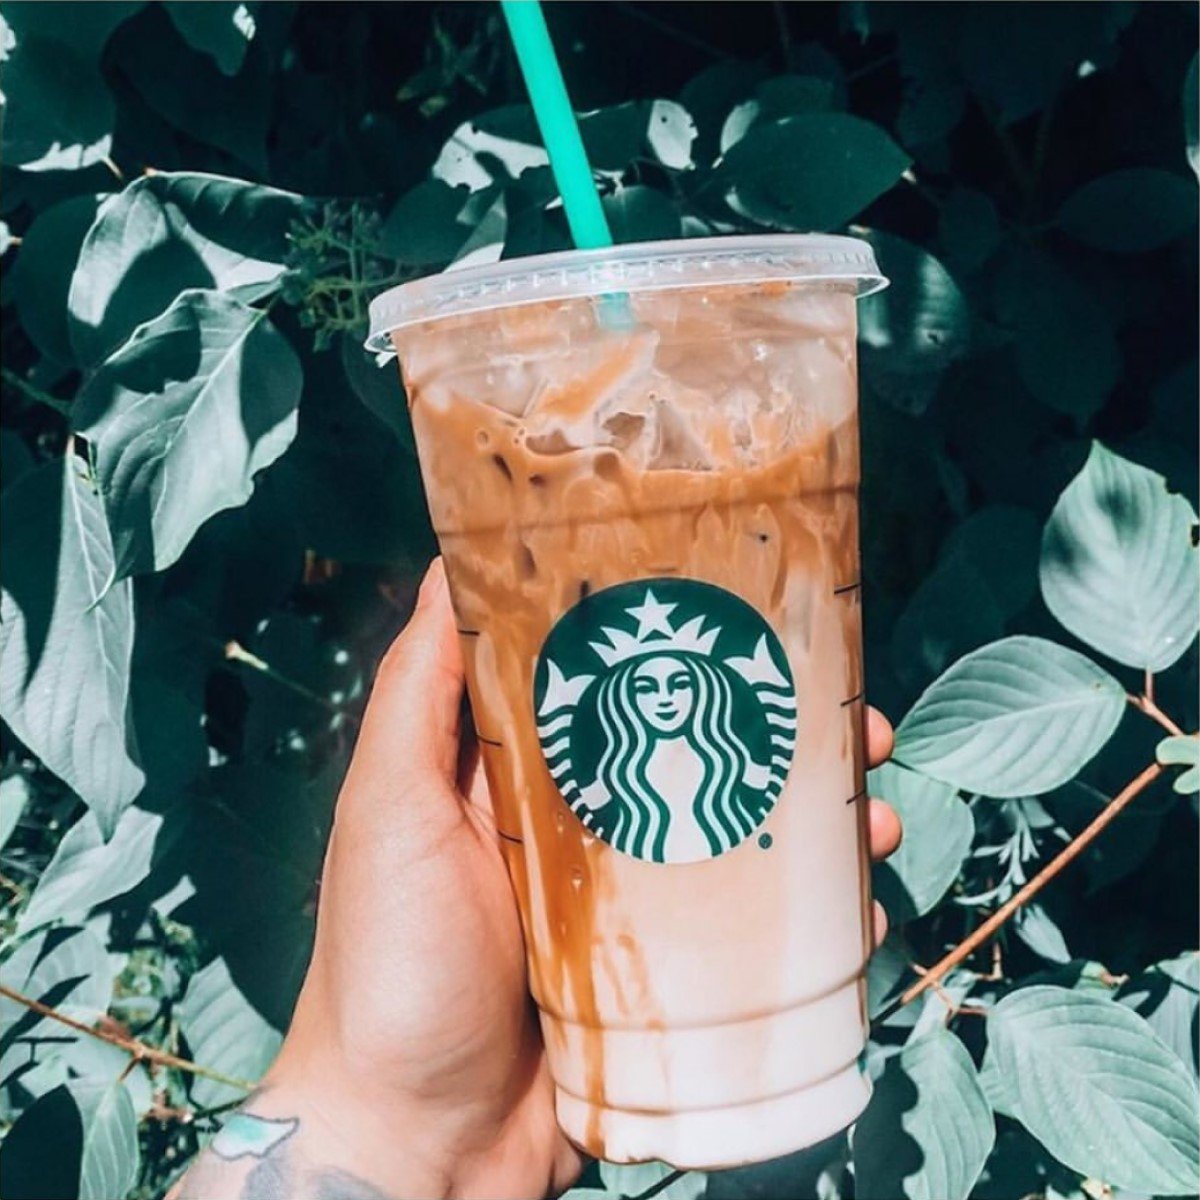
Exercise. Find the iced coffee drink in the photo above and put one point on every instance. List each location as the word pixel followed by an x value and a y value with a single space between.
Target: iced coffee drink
pixel 642 466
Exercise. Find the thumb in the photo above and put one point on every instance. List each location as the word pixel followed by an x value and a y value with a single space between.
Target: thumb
pixel 410 730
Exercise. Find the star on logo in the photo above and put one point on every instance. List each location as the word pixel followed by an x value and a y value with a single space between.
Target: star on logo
pixel 652 616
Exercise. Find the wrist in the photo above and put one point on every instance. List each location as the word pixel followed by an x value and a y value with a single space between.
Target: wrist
pixel 350 1125
pixel 356 1123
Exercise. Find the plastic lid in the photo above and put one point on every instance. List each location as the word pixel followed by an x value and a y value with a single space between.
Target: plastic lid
pixel 637 267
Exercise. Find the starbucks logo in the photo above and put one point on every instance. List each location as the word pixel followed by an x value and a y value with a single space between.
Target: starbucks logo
pixel 667 716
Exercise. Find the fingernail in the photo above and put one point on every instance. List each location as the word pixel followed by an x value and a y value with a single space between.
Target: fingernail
pixel 433 583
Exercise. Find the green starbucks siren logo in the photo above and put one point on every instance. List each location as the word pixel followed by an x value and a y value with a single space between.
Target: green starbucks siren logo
pixel 667 715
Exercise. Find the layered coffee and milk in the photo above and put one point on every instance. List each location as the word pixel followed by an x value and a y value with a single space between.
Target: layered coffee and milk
pixel 647 504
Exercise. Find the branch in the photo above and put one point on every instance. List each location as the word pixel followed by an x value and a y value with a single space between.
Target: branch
pixel 1145 704
pixel 1012 157
pixel 1069 852
pixel 236 652
pixel 785 35
pixel 36 394
pixel 661 1186
pixel 139 1050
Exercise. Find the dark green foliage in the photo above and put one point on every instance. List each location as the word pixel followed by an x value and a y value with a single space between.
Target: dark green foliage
pixel 213 521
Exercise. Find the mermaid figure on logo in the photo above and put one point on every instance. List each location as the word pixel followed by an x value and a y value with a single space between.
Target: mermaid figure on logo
pixel 674 781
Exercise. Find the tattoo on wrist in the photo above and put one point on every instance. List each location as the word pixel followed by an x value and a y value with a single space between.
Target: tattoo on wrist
pixel 278 1167
pixel 246 1134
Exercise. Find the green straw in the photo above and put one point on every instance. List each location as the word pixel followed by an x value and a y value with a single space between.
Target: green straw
pixel 556 120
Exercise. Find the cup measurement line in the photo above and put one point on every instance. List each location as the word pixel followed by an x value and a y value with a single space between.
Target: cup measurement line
pixel 859 795
pixel 488 741
pixel 509 837
pixel 469 632
pixel 853 699
pixel 847 587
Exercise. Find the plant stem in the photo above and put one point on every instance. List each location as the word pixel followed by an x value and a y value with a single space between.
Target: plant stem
pixel 1145 704
pixel 785 34
pixel 671 31
pixel 139 1050
pixel 36 394
pixel 660 1186
pixel 236 652
pixel 871 67
pixel 10 885
pixel 1069 852
pixel 1012 156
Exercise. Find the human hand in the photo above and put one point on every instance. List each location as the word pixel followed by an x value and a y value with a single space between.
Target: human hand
pixel 414 1059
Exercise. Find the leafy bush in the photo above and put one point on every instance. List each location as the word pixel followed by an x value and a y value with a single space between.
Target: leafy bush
pixel 213 520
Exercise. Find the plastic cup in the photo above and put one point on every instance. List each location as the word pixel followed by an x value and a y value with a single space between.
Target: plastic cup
pixel 650 532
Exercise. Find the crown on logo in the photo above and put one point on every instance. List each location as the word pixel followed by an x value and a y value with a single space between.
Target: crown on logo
pixel 655 634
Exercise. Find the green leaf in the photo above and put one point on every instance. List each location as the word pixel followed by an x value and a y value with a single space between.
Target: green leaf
pixel 27 1171
pixel 671 134
pixel 1036 928
pixel 1130 211
pixel 66 968
pixel 224 1033
pixel 1191 117
pixel 109 1163
pixel 1077 804
pixel 1183 752
pixel 613 136
pixel 62 115
pixel 258 832
pixel 1167 995
pixel 357 495
pixel 641 214
pixel 496 147
pixel 1093 1082
pixel 41 277
pixel 486 243
pixel 424 228
pixel 1000 544
pixel 783 96
pixel 14 796
pixel 188 89
pixel 886 970
pixel 15 459
pixel 66 637
pixel 1015 75
pixel 86 870
pixel 379 387
pixel 712 95
pixel 240 565
pixel 1118 567
pixel 181 419
pixel 911 332
pixel 1067 352
pixel 89 1058
pixel 172 661
pixel 928 1130
pixel 930 110
pixel 952 612
pixel 1015 718
pixel 940 1005
pixel 81 24
pixel 937 835
pixel 810 172
pixel 968 228
pixel 168 232
pixel 222 29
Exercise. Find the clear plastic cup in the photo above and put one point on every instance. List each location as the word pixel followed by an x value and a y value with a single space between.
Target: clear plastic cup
pixel 642 465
